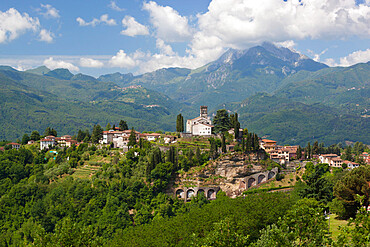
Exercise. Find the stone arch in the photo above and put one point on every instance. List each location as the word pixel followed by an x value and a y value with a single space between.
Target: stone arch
pixel 242 185
pixel 271 174
pixel 251 182
pixel 200 191
pixel 180 193
pixel 211 194
pixel 261 178
pixel 190 193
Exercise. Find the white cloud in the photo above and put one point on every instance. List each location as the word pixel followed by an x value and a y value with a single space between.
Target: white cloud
pixel 241 24
pixel 103 19
pixel 13 24
pixel 166 49
pixel 355 57
pixel 290 44
pixel 122 60
pixel 316 56
pixel 46 36
pixel 90 63
pixel 49 11
pixel 114 6
pixel 133 28
pixel 55 64
pixel 170 25
pixel 330 62
pixel 351 59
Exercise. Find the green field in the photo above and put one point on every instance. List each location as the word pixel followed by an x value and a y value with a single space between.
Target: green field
pixel 85 172
pixel 334 224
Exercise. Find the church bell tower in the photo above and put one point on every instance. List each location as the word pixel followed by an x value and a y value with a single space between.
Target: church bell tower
pixel 203 111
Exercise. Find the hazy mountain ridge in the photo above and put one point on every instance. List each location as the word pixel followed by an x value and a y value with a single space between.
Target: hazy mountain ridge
pixel 233 77
pixel 305 100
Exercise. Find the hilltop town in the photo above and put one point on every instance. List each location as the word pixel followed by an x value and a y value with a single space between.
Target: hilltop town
pixel 211 138
pixel 133 181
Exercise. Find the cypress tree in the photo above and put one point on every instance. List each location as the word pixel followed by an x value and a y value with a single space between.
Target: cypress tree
pixel 97 133
pixel 123 125
pixel 223 144
pixel 132 138
pixel 180 123
pixel 299 152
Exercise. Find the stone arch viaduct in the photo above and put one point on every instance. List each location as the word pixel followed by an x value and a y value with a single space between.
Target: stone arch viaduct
pixel 186 193
pixel 257 179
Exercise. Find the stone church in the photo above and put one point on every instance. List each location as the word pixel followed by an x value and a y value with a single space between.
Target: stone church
pixel 200 126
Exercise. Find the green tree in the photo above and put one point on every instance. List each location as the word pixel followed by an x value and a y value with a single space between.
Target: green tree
pixel 357 233
pixel 355 182
pixel 25 139
pixel 132 138
pixel 224 234
pixel 123 125
pixel 223 144
pixel 180 123
pixel 234 123
pixel 213 153
pixel 108 127
pixel 317 185
pixel 299 153
pixel 315 148
pixel 308 151
pixel 221 121
pixel 348 154
pixel 35 135
pixel 303 225
pixel 50 132
pixel 97 133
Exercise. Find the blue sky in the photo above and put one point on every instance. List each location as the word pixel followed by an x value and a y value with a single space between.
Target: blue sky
pixel 99 37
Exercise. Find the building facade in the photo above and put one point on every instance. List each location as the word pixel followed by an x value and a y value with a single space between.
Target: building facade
pixel 200 126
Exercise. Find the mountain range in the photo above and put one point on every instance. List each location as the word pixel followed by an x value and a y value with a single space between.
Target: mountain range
pixel 278 93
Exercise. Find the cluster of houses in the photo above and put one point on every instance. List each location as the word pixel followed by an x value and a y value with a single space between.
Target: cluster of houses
pixel 51 141
pixel 280 154
pixel 335 161
pixel 199 126
pixel 284 154
pixel 120 138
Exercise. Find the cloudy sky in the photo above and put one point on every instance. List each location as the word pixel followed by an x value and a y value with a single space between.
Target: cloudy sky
pixel 98 37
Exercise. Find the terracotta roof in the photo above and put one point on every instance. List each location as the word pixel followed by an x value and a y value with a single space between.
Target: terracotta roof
pixel 46 140
pixel 329 155
pixel 336 159
pixel 152 134
pixel 349 162
pixel 267 140
pixel 13 143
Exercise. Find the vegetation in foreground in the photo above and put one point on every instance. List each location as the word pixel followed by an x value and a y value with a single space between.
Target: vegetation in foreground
pixel 84 196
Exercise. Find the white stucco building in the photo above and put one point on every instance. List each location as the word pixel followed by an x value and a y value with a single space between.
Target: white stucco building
pixel 200 126
pixel 119 139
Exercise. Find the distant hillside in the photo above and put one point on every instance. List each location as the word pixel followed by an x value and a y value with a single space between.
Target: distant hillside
pixel 291 122
pixel 277 92
pixel 42 70
pixel 346 88
pixel 25 108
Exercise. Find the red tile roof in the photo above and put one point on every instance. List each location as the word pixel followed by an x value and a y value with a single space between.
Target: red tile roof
pixel 46 140
pixel 267 140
